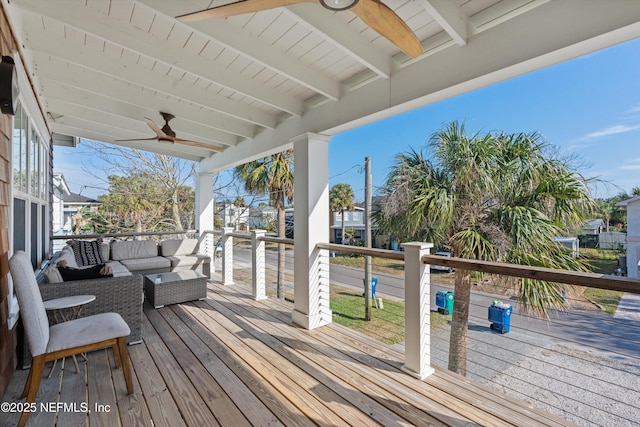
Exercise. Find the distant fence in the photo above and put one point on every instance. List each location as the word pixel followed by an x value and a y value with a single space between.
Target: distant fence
pixel 613 240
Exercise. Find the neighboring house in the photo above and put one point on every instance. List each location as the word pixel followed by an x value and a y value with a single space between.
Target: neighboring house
pixel 233 216
pixel 60 190
pixel 571 243
pixel 593 226
pixel 354 220
pixel 262 217
pixel 633 236
pixel 72 203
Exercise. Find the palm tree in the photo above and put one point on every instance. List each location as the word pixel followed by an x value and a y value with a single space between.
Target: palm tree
pixel 491 197
pixel 341 199
pixel 273 175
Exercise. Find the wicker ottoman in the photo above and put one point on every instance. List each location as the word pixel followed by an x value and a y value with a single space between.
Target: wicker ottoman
pixel 175 287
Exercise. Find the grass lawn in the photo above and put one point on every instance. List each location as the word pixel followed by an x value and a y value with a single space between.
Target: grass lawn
pixel 604 262
pixel 381 265
pixel 386 325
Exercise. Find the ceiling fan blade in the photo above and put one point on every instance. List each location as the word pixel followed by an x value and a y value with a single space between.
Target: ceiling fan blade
pixel 198 144
pixel 385 21
pixel 154 127
pixel 238 8
pixel 155 138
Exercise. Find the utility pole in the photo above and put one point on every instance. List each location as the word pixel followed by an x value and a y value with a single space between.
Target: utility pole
pixel 367 238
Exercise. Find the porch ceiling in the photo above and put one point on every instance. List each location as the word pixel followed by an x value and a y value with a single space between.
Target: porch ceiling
pixel 249 83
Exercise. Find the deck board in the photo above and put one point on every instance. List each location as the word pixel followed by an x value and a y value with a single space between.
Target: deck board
pixel 232 361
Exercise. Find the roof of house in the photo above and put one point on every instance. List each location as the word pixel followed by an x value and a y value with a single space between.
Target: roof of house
pixel 592 223
pixel 624 203
pixel 78 198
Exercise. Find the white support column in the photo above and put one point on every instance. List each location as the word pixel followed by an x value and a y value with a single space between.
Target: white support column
pixel 417 293
pixel 311 226
pixel 205 213
pixel 227 256
pixel 258 265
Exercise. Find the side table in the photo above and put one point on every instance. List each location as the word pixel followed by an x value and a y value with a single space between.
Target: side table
pixel 64 309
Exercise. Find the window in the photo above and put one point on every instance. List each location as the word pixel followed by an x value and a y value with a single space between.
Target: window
pixel 30 167
pixel 356 216
pixel 34 164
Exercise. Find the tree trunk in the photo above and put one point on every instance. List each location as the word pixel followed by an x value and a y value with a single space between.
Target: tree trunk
pixel 281 233
pixel 459 323
pixel 343 226
pixel 175 210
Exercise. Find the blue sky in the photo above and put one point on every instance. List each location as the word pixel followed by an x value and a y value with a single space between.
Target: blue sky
pixel 589 107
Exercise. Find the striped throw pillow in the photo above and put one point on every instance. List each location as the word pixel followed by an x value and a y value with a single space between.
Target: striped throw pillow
pixel 87 252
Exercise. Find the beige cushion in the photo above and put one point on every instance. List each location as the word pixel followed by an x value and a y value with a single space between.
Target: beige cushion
pixel 133 249
pixel 173 247
pixel 66 254
pixel 86 330
pixel 52 275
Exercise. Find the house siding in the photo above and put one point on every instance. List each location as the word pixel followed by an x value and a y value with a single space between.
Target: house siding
pixel 8 358
pixel 633 239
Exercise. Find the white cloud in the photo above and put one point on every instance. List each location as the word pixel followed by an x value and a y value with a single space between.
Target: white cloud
pixel 630 167
pixel 612 130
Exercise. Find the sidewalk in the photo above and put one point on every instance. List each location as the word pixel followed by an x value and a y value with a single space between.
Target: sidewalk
pixel 629 307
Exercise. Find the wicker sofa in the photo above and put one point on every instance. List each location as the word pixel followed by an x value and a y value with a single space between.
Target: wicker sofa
pixel 129 261
pixel 122 293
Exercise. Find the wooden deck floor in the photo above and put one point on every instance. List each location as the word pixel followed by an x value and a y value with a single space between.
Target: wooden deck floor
pixel 232 361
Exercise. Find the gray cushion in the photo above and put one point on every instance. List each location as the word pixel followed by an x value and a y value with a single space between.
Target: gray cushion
pixel 66 254
pixel 188 260
pixel 34 316
pixel 172 247
pixel 119 270
pixel 133 249
pixel 153 263
pixel 86 330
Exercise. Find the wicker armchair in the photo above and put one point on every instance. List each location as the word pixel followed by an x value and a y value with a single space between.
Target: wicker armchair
pixel 122 295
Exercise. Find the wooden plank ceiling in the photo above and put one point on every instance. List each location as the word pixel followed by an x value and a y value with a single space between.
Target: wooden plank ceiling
pixel 245 85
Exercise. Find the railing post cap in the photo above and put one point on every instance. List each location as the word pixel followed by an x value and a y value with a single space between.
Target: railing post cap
pixel 417 245
pixel 259 231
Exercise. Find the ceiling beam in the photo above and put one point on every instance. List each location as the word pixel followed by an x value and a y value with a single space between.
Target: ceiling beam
pixel 129 37
pixel 494 57
pixel 449 17
pixel 100 63
pixel 130 104
pixel 249 46
pixel 322 21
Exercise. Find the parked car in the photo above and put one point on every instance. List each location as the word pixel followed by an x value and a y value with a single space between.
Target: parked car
pixel 442 267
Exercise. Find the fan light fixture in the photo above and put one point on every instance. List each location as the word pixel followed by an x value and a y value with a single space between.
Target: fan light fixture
pixel 338 4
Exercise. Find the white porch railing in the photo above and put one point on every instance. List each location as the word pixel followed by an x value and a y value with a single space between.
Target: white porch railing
pixel 423 347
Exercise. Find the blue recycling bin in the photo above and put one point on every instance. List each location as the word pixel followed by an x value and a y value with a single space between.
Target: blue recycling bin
pixel 500 316
pixel 374 285
pixel 444 301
